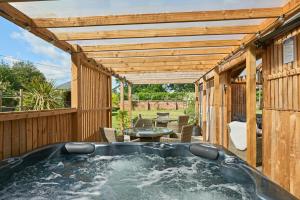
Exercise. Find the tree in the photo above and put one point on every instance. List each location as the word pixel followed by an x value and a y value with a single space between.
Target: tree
pixel 19 75
pixel 7 79
pixel 42 95
pixel 24 73
pixel 181 87
pixel 115 100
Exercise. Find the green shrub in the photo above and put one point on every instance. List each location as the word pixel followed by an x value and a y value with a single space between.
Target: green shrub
pixel 123 118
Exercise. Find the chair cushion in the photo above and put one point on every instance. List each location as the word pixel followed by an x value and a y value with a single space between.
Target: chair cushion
pixel 238 134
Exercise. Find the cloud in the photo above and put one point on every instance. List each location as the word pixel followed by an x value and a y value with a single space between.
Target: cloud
pixel 9 60
pixel 54 63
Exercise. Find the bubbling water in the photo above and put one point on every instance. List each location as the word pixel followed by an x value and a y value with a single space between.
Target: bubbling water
pixel 138 176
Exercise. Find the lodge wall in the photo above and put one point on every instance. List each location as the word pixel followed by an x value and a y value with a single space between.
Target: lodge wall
pixel 281 116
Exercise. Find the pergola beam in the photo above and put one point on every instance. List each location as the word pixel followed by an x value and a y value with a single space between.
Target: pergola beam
pixel 177 52
pixel 160 77
pixel 187 68
pixel 163 63
pixel 196 16
pixel 162 45
pixel 173 81
pixel 151 33
pixel 158 59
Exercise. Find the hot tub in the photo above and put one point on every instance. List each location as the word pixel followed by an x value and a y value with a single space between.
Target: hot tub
pixel 133 171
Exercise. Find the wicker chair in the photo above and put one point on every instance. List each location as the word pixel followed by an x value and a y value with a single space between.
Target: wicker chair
pixel 143 123
pixel 108 135
pixel 162 119
pixel 182 121
pixel 184 136
pixel 163 115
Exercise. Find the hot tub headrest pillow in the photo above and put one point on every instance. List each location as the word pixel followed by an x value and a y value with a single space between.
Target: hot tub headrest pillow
pixel 204 151
pixel 78 148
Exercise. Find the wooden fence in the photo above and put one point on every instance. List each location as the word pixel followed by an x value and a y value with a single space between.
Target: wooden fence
pixel 95 103
pixel 21 132
pixel 24 131
pixel 281 114
pixel 91 95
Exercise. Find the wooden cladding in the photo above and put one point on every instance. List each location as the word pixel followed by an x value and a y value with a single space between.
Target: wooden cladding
pixel 30 130
pixel 238 101
pixel 21 132
pixel 281 116
pixel 91 91
pixel 95 104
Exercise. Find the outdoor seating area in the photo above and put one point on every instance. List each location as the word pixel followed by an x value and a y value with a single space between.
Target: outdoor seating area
pixel 162 122
pixel 162 128
pixel 232 134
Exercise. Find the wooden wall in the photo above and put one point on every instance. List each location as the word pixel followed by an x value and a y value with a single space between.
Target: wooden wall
pixel 238 100
pixel 21 132
pixel 91 95
pixel 95 103
pixel 281 115
pixel 25 131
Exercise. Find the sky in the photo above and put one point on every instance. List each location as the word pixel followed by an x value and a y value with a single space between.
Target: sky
pixel 19 44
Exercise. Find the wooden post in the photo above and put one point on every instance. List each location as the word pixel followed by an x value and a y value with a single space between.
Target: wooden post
pixel 204 110
pixel 122 95
pixel 76 101
pixel 1 101
pixel 129 103
pixel 228 109
pixel 217 100
pixel 251 105
pixel 110 101
pixel 197 102
pixel 224 108
pixel 21 99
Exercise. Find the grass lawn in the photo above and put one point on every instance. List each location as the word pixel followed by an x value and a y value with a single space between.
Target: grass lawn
pixel 148 114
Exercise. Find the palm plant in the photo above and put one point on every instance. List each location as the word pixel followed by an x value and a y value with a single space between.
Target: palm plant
pixel 41 95
pixel 4 85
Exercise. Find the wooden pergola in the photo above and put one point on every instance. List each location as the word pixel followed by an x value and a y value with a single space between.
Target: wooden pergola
pixel 205 62
pixel 150 58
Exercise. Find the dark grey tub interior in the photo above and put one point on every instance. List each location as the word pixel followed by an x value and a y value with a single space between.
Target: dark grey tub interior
pixel 232 167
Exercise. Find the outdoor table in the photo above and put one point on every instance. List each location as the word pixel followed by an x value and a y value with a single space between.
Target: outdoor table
pixel 159 120
pixel 147 134
pixel 165 120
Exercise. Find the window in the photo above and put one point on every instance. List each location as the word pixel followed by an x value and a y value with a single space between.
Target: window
pixel 288 50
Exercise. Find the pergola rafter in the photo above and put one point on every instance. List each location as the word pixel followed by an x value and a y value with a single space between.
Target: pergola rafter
pixel 137 54
pixel 163 63
pixel 162 45
pixel 197 16
pixel 171 52
pixel 152 33
pixel 183 68
pixel 145 58
pixel 158 59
